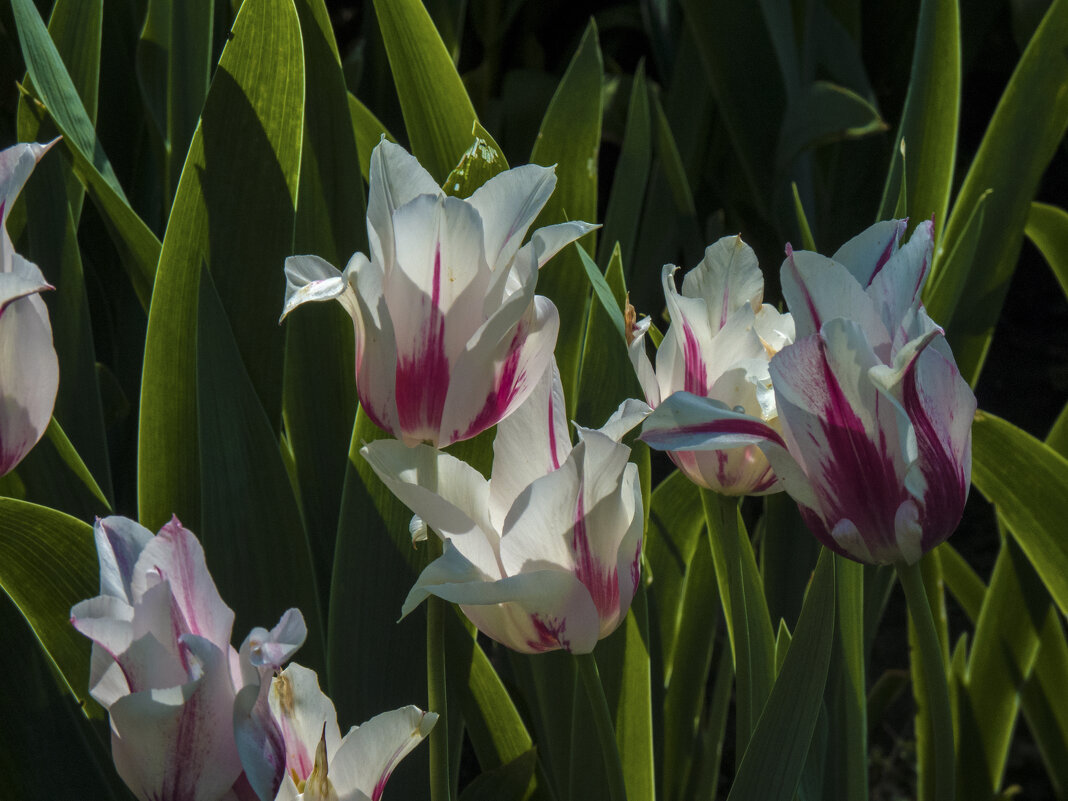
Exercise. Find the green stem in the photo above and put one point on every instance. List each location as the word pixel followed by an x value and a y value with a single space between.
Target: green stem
pixel 934 673
pixel 440 784
pixel 602 718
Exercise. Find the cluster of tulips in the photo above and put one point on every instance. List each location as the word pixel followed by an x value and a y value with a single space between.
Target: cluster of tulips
pixel 851 402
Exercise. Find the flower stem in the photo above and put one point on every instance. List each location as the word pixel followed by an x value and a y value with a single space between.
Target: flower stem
pixel 602 718
pixel 934 674
pixel 440 783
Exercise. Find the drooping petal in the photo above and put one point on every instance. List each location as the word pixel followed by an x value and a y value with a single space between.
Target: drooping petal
pixel 310 278
pixel 175 556
pixel 395 177
pixel 508 203
pixel 177 744
pixel 727 278
pixel 451 496
pixel 867 253
pixel 530 442
pixel 369 753
pixel 119 542
pixel 30 370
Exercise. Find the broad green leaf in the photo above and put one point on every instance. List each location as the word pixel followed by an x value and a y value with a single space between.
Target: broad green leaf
pixel 778 18
pixel 250 524
pixel 1047 227
pixel 369 132
pixel 189 72
pixel 943 291
pixel 438 114
pixel 846 763
pixel 65 448
pixel 824 112
pixel 708 748
pixel 570 137
pixel 1047 717
pixel 234 213
pixel 137 245
pixel 375 564
pixel 963 582
pixel 508 782
pixel 480 162
pixel 48 564
pixel 788 554
pixel 319 391
pixel 1003 652
pixel 739 63
pixel 624 210
pixel 745 608
pixel 1028 481
pixel 929 121
pixel 771 766
pixel 1031 118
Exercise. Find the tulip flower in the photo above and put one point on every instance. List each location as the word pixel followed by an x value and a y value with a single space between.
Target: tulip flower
pixel 876 419
pixel 164 669
pixel 717 347
pixel 544 555
pixel 28 360
pixel 319 762
pixel 450 337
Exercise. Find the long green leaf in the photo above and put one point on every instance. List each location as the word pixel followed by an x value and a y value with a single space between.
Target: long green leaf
pixel 930 117
pixel 1028 481
pixel 1047 227
pixel 824 112
pixel 234 213
pixel 189 72
pixel 48 564
pixel 369 131
pixel 570 137
pixel 1031 118
pixel 771 766
pixel 438 114
pixel 136 243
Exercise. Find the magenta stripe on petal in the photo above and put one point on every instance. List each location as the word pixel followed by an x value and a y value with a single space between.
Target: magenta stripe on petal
pixel 888 251
pixel 602 582
pixel 505 388
pixel 380 785
pixel 816 322
pixel 550 634
pixel 731 425
pixel 696 379
pixel 552 433
pixel 422 381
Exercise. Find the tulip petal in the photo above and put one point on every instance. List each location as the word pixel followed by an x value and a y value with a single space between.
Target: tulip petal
pixel 530 442
pixel 30 369
pixel 451 496
pixel 818 289
pixel 896 289
pixel 259 742
pixel 177 744
pixel 548 241
pixel 305 716
pixel 119 542
pixel 312 279
pixel 395 177
pixel 867 253
pixel 376 346
pixel 681 360
pixel 175 556
pixel 16 164
pixel 727 278
pixel 508 204
pixel 643 366
pixel 369 753
pixel 24 279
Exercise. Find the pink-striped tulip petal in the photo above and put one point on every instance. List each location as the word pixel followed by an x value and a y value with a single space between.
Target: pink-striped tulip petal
pixel 320 763
pixel 717 347
pixel 450 337
pixel 189 714
pixel 544 555
pixel 28 361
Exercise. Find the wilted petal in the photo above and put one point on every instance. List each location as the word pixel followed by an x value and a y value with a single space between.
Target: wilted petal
pixel 177 744
pixel 369 753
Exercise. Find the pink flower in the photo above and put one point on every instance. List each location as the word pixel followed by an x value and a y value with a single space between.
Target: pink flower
pixel 28 360
pixel 876 439
pixel 717 348
pixel 450 337
pixel 164 669
pixel 544 555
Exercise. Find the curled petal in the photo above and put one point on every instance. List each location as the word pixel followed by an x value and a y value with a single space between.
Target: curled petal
pixel 369 753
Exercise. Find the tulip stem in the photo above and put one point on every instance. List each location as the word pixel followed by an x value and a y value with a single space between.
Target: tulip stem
pixel 934 675
pixel 440 783
pixel 602 718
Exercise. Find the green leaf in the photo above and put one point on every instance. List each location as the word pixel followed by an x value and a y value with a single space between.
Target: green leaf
pixel 369 132
pixel 189 73
pixel 234 213
pixel 319 393
pixel 807 240
pixel 632 171
pixel 570 137
pixel 48 564
pixel 930 118
pixel 137 245
pixel 1028 481
pixel 508 782
pixel 824 112
pixel 745 608
pixel 1047 718
pixel 771 766
pixel 846 766
pixel 438 114
pixel 480 162
pixel 256 548
pixel 1031 118
pixel 1047 227
pixel 944 289
pixel 73 461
